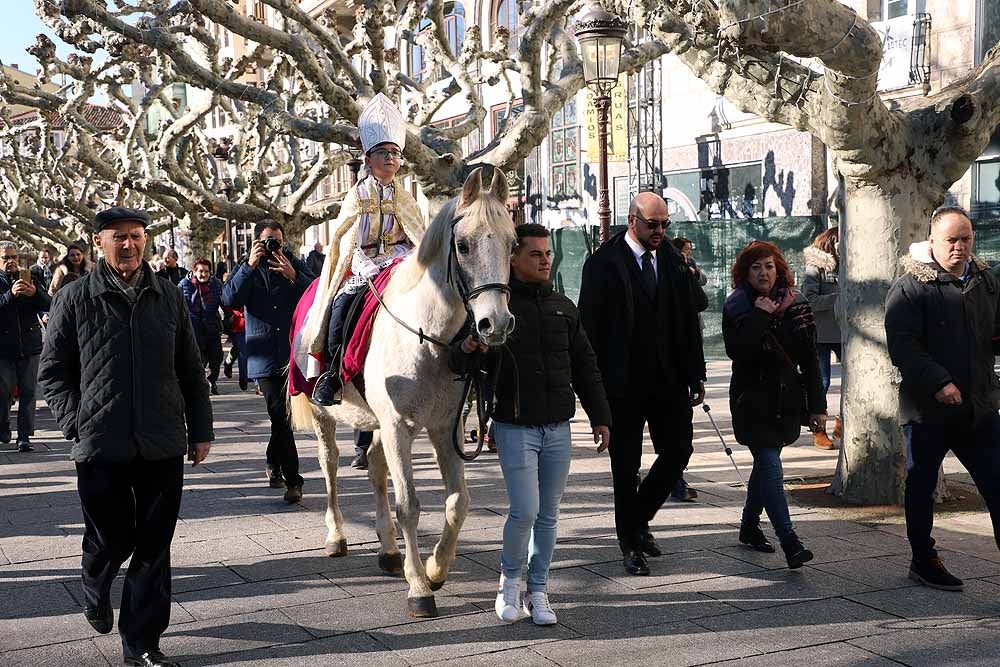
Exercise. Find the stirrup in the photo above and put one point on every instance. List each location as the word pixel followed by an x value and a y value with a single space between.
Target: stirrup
pixel 326 377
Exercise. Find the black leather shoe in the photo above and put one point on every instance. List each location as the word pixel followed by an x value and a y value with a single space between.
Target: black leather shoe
pixel 293 494
pixel 649 546
pixel 635 563
pixel 682 492
pixel 275 479
pixel 244 384
pixel 753 537
pixel 227 370
pixel 215 390
pixel 360 461
pixel 151 659
pixel 24 446
pixel 325 392
pixel 102 620
pixel 795 552
pixel 932 572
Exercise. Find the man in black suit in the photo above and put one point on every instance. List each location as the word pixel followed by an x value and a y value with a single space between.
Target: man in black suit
pixel 640 312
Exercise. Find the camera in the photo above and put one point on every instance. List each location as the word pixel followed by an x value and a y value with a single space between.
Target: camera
pixel 272 245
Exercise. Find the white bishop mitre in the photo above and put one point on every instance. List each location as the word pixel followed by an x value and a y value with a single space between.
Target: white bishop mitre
pixel 381 122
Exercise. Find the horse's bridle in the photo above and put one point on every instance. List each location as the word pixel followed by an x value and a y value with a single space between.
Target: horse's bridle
pixel 457 279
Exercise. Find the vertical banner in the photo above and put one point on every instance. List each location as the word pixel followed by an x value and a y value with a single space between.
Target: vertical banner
pixel 617 124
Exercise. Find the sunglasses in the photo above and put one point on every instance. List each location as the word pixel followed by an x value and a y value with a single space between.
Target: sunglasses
pixel 653 225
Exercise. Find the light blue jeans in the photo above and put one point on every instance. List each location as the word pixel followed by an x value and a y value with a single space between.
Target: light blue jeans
pixel 535 463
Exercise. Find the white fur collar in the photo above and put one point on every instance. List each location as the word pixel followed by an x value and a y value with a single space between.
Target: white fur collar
pixel 819 259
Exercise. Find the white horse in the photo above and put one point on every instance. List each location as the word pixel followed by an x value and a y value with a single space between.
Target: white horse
pixel 462 262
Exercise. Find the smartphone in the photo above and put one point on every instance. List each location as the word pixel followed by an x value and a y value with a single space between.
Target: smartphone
pixel 25 275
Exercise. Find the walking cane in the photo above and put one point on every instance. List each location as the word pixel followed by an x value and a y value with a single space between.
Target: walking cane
pixel 725 447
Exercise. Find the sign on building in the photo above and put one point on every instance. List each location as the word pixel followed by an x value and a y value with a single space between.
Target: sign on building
pixel 897 45
pixel 617 125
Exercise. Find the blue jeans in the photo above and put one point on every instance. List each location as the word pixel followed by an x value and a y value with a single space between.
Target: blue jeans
pixel 535 463
pixel 766 491
pixel 824 350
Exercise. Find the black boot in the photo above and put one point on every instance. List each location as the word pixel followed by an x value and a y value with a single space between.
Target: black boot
pixel 752 536
pixel 932 572
pixel 328 385
pixel 795 552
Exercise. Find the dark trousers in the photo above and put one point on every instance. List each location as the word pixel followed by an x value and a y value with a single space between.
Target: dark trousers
pixel 976 446
pixel 339 313
pixel 362 441
pixel 669 421
pixel 23 374
pixel 130 509
pixel 824 350
pixel 238 351
pixel 211 354
pixel 281 453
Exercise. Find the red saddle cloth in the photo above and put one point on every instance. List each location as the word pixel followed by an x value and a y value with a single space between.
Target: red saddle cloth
pixel 357 347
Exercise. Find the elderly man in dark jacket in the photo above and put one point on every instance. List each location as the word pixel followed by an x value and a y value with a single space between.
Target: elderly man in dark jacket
pixel 640 310
pixel 123 377
pixel 535 402
pixel 942 324
pixel 21 303
pixel 268 285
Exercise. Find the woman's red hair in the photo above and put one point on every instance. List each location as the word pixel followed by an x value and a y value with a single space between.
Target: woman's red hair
pixel 202 260
pixel 756 251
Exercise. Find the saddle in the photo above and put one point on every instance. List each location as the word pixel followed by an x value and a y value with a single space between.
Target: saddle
pixel 358 330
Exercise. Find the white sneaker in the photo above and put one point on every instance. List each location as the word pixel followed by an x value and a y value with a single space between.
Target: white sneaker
pixel 508 603
pixel 537 606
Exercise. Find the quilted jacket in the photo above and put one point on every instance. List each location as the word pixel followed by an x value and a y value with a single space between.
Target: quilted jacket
pixel 125 381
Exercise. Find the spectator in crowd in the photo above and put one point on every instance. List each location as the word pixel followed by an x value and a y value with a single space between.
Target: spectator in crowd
pixel 43 269
pixel 535 402
pixel 683 492
pixel 171 270
pixel 820 288
pixel 74 261
pixel 770 335
pixel 315 260
pixel 362 442
pixel 22 301
pixel 123 377
pixel 640 312
pixel 238 346
pixel 267 286
pixel 941 324
pixel 203 294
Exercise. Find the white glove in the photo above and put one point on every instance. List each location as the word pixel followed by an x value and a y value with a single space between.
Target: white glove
pixel 363 266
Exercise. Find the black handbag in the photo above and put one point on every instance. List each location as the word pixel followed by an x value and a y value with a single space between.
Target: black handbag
pixel 803 397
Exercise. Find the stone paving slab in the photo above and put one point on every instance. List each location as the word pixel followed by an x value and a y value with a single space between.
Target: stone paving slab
pixel 252 585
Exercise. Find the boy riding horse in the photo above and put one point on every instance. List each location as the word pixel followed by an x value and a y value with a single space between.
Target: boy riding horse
pixel 379 224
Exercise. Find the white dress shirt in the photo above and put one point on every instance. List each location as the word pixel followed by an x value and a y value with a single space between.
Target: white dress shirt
pixel 638 250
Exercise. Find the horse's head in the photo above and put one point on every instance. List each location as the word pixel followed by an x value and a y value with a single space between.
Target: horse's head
pixel 482 240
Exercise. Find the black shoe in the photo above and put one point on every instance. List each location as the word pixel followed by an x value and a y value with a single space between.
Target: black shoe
pixel 275 479
pixel 325 392
pixel 360 461
pixel 24 446
pixel 244 384
pixel 102 620
pixel 682 492
pixel 215 390
pixel 795 552
pixel 293 494
pixel 227 370
pixel 932 572
pixel 648 546
pixel 753 537
pixel 635 563
pixel 151 659
pixel 5 436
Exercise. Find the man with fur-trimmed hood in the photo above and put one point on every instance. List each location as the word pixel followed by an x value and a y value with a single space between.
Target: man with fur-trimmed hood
pixel 942 323
pixel 379 223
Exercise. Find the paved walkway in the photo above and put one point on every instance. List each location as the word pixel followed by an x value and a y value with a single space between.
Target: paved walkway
pixel 252 587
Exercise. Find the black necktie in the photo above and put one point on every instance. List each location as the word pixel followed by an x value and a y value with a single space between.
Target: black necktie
pixel 648 275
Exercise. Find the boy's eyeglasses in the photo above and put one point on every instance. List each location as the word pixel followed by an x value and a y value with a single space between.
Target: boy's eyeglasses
pixel 385 154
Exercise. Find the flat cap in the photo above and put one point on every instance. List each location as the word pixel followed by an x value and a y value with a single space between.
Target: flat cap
pixel 109 216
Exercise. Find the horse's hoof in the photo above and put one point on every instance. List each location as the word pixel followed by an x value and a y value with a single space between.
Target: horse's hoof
pixel 391 563
pixel 437 585
pixel 422 607
pixel 336 549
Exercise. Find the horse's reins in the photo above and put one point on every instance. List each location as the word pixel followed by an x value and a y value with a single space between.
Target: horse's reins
pixel 477 379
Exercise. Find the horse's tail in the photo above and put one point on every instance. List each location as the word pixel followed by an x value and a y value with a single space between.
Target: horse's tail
pixel 301 412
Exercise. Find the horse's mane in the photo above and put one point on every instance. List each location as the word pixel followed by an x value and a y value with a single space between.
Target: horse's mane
pixel 434 244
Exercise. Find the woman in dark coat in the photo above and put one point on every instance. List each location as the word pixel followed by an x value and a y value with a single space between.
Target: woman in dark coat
pixel 770 335
pixel 203 295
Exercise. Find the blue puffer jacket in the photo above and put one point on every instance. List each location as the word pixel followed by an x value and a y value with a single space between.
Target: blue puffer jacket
pixel 269 301
pixel 204 307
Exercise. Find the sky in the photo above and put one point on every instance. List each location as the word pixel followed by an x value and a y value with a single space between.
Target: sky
pixel 18 26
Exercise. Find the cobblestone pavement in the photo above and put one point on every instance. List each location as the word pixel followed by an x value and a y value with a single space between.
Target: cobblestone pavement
pixel 252 586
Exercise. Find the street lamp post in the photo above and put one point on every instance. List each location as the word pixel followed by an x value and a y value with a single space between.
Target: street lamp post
pixel 600 35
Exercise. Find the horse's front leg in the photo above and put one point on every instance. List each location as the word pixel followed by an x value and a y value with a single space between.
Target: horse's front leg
pixel 329 458
pixel 389 558
pixel 456 506
pixel 397 445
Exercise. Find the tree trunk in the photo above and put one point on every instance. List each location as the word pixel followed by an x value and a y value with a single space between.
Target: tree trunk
pixel 879 225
